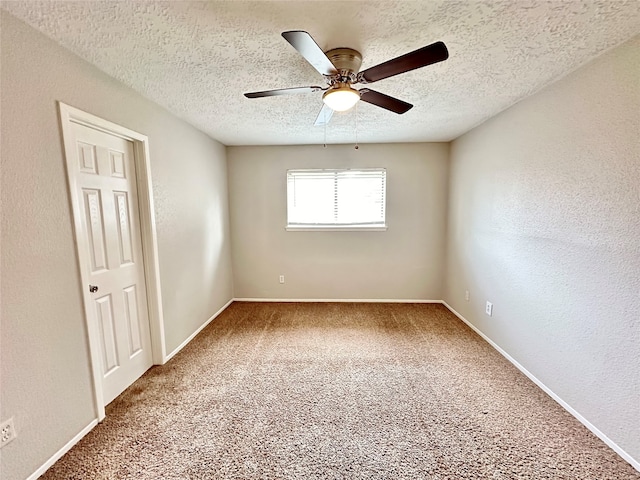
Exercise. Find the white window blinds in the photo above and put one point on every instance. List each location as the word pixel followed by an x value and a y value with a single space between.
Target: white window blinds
pixel 342 198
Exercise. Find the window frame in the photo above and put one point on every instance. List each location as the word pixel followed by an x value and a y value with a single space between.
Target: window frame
pixel 326 227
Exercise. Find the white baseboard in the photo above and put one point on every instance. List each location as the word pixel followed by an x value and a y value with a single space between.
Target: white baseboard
pixel 60 453
pixel 614 446
pixel 192 336
pixel 334 300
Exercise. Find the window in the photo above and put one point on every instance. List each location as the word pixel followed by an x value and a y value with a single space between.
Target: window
pixel 336 199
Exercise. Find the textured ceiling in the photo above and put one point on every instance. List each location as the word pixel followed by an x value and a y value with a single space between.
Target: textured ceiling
pixel 198 58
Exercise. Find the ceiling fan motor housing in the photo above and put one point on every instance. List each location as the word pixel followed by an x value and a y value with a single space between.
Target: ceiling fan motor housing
pixel 347 61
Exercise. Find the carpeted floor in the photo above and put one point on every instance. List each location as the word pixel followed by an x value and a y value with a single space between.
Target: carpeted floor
pixel 338 391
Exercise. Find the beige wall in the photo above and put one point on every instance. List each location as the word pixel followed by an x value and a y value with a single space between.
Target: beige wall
pixel 405 262
pixel 45 377
pixel 545 223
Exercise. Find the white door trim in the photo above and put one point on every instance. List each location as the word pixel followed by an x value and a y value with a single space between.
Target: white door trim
pixel 69 115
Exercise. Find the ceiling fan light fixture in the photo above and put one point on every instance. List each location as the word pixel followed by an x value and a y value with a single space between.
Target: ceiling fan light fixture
pixel 341 98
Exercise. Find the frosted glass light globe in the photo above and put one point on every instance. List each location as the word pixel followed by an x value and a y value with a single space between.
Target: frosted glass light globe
pixel 341 98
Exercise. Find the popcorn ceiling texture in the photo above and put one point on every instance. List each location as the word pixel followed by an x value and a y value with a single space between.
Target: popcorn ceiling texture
pixel 198 58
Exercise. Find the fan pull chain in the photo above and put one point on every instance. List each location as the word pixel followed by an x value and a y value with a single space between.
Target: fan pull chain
pixel 357 126
pixel 325 130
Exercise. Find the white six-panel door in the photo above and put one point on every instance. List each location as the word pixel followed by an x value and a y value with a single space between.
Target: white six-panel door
pixel 105 183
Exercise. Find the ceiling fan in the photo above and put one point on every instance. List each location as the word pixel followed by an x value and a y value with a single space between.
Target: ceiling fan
pixel 340 69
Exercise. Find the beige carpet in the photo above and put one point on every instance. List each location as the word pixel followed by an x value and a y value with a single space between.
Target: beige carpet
pixel 338 391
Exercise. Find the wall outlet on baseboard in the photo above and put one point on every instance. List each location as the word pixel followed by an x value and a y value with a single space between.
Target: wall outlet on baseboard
pixel 7 431
pixel 489 308
pixel 466 295
pixel 281 278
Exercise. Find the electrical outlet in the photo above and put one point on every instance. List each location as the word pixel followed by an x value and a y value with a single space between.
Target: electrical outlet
pixel 466 295
pixel 489 308
pixel 8 432
pixel 281 278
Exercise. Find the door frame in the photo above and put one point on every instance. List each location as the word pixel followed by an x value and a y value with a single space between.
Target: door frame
pixel 68 116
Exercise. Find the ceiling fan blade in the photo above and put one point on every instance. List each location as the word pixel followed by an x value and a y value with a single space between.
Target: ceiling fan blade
pixel 324 116
pixel 309 49
pixel 282 91
pixel 434 53
pixel 384 101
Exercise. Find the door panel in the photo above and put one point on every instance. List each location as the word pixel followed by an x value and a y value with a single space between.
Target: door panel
pixel 133 322
pixel 108 334
pixel 124 231
pixel 95 230
pixel 87 158
pixel 117 164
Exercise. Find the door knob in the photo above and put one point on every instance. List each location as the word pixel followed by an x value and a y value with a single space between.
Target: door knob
pixel 93 288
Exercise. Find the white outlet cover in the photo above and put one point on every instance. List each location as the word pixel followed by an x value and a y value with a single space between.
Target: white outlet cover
pixel 8 432
pixel 489 308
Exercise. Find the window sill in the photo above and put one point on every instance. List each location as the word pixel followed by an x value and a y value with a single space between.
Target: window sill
pixel 334 228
